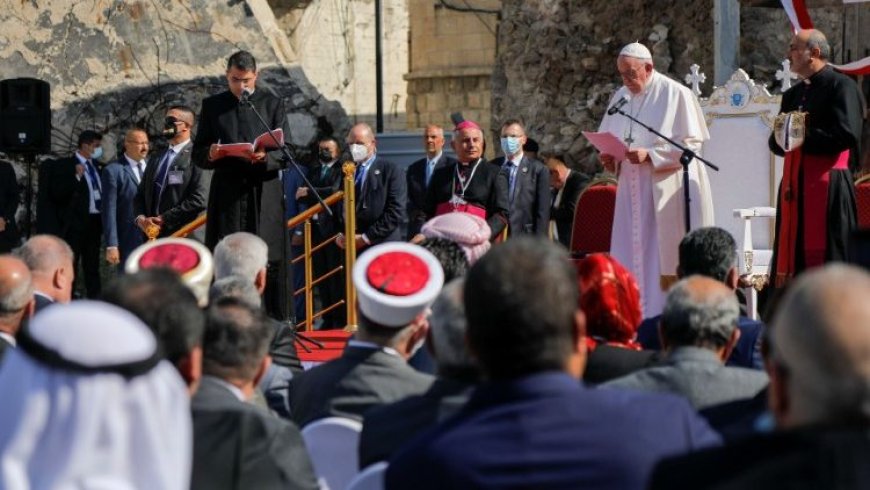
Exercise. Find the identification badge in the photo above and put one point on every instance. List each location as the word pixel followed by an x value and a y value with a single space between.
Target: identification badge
pixel 176 177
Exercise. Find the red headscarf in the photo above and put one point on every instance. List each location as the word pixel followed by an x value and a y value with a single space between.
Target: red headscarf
pixel 610 298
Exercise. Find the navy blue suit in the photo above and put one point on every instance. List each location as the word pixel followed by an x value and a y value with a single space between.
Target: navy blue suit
pixel 747 352
pixel 380 207
pixel 119 193
pixel 549 431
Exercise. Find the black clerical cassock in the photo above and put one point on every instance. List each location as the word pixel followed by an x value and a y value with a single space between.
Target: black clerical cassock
pixel 476 187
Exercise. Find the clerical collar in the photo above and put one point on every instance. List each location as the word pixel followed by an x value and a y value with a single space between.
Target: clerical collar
pixel 469 163
pixel 808 80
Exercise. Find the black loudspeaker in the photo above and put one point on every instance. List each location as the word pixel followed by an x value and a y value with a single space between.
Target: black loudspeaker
pixel 25 116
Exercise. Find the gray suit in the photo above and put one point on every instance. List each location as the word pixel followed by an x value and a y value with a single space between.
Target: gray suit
pixel 237 445
pixel 360 379
pixel 698 375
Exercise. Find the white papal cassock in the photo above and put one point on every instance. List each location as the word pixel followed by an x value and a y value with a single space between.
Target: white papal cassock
pixel 649 221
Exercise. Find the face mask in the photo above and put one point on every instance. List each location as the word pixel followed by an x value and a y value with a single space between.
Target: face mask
pixel 510 145
pixel 325 156
pixel 169 127
pixel 358 152
pixel 98 152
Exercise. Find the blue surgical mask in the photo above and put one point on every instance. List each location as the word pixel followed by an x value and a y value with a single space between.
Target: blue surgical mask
pixel 98 152
pixel 510 145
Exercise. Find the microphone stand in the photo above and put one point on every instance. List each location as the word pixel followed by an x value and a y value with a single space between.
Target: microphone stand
pixel 288 159
pixel 685 159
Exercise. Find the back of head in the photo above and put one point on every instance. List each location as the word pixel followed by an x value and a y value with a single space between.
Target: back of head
pixel 610 298
pixel 521 301
pixel 235 287
pixel 447 329
pixel 236 340
pixel 449 255
pixel 16 293
pixel 821 345
pixel 159 298
pixel 470 232
pixel 709 251
pixel 699 312
pixel 240 254
pixel 44 253
pixel 104 360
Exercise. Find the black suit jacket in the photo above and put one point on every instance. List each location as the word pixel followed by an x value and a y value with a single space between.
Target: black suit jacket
pixel 4 346
pixel 9 238
pixel 180 203
pixel 808 458
pixel 244 196
pixel 325 185
pixel 42 302
pixel 416 181
pixel 237 445
pixel 380 208
pixel 387 428
pixel 530 208
pixel 607 362
pixel 563 214
pixel 360 379
pixel 63 201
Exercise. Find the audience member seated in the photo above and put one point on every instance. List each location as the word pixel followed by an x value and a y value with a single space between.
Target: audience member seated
pixel 819 373
pixel 387 428
pixel 712 252
pixel 188 258
pixel 610 299
pixel 467 230
pixel 237 445
pixel 533 424
pixel 395 283
pixel 16 300
pixel 50 261
pixel 169 308
pixel 450 255
pixel 87 402
pixel 246 255
pixel 698 330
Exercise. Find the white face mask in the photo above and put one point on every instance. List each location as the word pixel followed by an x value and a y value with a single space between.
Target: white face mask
pixel 358 152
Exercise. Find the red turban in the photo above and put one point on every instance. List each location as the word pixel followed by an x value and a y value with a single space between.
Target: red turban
pixel 610 298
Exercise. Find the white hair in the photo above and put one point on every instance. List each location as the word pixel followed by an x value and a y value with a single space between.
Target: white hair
pixel 235 287
pixel 240 254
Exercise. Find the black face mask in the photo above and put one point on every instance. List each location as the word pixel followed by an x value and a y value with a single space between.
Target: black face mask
pixel 170 129
pixel 325 156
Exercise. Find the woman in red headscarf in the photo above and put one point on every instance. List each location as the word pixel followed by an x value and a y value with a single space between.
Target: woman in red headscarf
pixel 610 299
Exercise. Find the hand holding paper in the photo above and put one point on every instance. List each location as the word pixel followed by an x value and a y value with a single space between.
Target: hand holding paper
pixel 607 144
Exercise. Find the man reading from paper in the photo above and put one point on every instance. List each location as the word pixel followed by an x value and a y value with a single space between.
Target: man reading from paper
pixel 246 194
pixel 649 221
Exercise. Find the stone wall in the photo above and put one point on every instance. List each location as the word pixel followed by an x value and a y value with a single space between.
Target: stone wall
pixel 451 63
pixel 117 64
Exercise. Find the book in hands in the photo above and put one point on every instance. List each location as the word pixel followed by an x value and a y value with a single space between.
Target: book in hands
pixel 246 150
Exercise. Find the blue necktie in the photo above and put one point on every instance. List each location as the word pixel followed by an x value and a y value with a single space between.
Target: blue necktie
pixel 513 179
pixel 160 180
pixel 95 183
pixel 430 168
pixel 359 178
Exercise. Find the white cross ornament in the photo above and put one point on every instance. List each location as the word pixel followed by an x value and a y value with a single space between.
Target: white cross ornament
pixel 785 76
pixel 695 79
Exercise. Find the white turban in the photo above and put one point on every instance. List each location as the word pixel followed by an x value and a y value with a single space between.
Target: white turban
pixel 87 404
pixel 636 50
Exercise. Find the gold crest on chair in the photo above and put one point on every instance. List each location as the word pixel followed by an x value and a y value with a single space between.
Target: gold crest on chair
pixel 789 129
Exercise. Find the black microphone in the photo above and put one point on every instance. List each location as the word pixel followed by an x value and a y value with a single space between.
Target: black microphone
pixel 618 105
pixel 246 92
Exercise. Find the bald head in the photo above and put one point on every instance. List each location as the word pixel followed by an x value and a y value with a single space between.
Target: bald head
pixel 808 52
pixel 50 261
pixel 16 293
pixel 821 349
pixel 700 312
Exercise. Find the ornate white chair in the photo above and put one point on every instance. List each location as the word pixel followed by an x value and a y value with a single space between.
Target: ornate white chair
pixel 740 117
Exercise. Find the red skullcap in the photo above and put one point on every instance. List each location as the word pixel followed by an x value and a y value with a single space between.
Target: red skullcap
pixel 467 125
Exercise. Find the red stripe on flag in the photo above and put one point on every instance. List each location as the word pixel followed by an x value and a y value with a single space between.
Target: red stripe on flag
pixel 803 15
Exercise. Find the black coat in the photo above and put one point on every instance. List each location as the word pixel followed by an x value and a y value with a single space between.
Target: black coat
pixel 244 196
pixel 380 208
pixel 530 208
pixel 416 181
pixel 563 214
pixel 10 237
pixel 62 201
pixel 180 203
pixel 488 188
pixel 237 445
pixel 325 185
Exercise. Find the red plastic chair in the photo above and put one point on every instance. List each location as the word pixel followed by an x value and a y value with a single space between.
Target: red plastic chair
pixel 862 196
pixel 593 217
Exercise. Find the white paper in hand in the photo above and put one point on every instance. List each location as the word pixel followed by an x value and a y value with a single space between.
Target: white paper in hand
pixel 607 144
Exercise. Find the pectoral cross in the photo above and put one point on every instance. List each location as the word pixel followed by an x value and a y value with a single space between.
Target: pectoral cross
pixel 785 75
pixel 695 79
pixel 628 140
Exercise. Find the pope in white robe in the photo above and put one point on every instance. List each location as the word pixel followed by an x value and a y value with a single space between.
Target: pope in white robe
pixel 649 221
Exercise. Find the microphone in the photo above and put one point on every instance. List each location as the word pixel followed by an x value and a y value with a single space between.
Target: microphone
pixel 618 105
pixel 246 92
